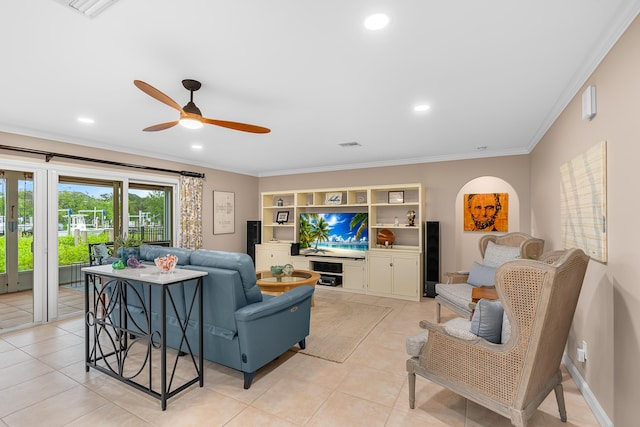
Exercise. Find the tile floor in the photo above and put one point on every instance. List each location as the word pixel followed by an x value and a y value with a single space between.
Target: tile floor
pixel 43 383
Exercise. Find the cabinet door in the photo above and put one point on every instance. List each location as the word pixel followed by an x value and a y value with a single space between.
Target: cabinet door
pixel 270 254
pixel 406 275
pixel 380 273
pixel 353 273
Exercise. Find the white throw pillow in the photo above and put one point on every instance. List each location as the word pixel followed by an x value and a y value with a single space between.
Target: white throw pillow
pixel 496 255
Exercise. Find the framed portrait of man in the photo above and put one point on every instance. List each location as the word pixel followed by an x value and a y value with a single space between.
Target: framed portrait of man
pixel 486 212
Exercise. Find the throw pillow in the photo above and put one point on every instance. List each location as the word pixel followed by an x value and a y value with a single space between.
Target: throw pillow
pixel 481 275
pixel 100 253
pixel 487 320
pixel 496 255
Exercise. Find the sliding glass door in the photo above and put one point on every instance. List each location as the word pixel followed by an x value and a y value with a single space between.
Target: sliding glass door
pixel 89 211
pixel 16 249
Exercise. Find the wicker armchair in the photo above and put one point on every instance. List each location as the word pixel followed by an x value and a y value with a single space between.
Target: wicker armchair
pixel 512 379
pixel 457 297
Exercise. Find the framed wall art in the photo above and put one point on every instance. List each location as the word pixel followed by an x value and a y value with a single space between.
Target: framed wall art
pixel 223 212
pixel 583 202
pixel 486 212
pixel 396 197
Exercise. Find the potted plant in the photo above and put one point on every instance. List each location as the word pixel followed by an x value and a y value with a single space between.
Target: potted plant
pixel 128 246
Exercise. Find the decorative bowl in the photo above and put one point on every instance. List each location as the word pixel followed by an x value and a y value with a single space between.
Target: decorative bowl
pixel 166 264
pixel 386 237
pixel 276 269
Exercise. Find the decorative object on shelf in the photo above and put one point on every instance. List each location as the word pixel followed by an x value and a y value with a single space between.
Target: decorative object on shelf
pixel 276 269
pixel 396 197
pixel 280 202
pixel 166 264
pixel 396 221
pixel 361 198
pixel 287 269
pixel 282 217
pixel 333 198
pixel 223 212
pixel 386 237
pixel 411 217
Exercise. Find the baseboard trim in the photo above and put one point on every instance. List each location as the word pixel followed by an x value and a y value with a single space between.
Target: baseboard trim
pixel 588 395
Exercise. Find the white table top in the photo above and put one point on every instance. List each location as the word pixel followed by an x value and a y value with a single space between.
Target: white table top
pixel 148 274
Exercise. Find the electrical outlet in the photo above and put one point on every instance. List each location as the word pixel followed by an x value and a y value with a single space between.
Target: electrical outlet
pixel 581 353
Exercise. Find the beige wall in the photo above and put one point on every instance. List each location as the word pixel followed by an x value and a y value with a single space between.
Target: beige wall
pixel 245 187
pixel 442 181
pixel 608 314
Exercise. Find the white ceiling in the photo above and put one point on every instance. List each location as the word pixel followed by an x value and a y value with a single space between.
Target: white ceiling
pixel 496 74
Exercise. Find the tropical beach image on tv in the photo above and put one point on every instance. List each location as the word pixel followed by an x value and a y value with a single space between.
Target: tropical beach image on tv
pixel 334 234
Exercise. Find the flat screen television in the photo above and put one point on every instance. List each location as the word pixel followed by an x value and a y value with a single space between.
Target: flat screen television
pixel 335 234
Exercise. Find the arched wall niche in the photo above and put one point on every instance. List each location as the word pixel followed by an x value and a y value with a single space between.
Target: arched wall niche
pixel 467 241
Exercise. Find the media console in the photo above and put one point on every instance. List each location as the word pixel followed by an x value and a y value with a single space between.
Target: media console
pixel 396 270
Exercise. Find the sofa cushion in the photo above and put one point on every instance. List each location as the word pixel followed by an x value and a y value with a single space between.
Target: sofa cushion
pixel 151 252
pixel 487 320
pixel 481 275
pixel 496 255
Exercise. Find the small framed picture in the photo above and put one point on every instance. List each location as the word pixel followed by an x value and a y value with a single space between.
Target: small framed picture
pixel 282 217
pixel 333 199
pixel 396 197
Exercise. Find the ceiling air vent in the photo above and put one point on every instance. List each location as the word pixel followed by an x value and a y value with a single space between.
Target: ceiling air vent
pixel 88 8
pixel 350 144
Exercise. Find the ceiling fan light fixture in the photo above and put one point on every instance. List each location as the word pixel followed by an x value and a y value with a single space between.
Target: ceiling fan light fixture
pixel 190 123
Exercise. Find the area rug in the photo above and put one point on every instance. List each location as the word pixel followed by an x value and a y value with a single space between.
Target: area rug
pixel 337 327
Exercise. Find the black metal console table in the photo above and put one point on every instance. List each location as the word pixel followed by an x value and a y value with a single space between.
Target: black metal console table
pixel 113 332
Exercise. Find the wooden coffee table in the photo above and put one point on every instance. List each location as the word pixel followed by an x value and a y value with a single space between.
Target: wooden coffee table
pixel 276 284
pixel 482 292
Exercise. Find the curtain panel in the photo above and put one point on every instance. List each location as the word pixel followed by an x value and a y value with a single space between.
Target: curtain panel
pixel 190 233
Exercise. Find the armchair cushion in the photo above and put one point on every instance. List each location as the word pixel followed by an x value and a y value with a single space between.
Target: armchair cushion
pixel 481 275
pixel 487 320
pixel 496 255
pixel 458 327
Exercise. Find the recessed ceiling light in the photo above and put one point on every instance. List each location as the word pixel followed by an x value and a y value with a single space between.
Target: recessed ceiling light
pixel 87 120
pixel 196 146
pixel 377 21
pixel 421 108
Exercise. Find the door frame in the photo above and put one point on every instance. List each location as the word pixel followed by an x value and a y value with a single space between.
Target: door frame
pixel 45 226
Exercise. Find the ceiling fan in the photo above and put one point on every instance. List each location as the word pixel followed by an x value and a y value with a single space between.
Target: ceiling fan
pixel 190 115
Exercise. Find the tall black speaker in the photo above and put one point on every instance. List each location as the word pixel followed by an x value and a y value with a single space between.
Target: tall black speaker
pixel 431 257
pixel 254 237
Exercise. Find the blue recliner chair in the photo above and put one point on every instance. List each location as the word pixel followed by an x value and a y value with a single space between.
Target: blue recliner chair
pixel 244 329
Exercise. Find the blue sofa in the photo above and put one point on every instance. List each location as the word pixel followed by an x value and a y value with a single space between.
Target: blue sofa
pixel 243 329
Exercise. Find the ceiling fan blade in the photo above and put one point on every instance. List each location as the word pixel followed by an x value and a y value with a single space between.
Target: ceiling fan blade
pixel 237 126
pixel 161 126
pixel 155 93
